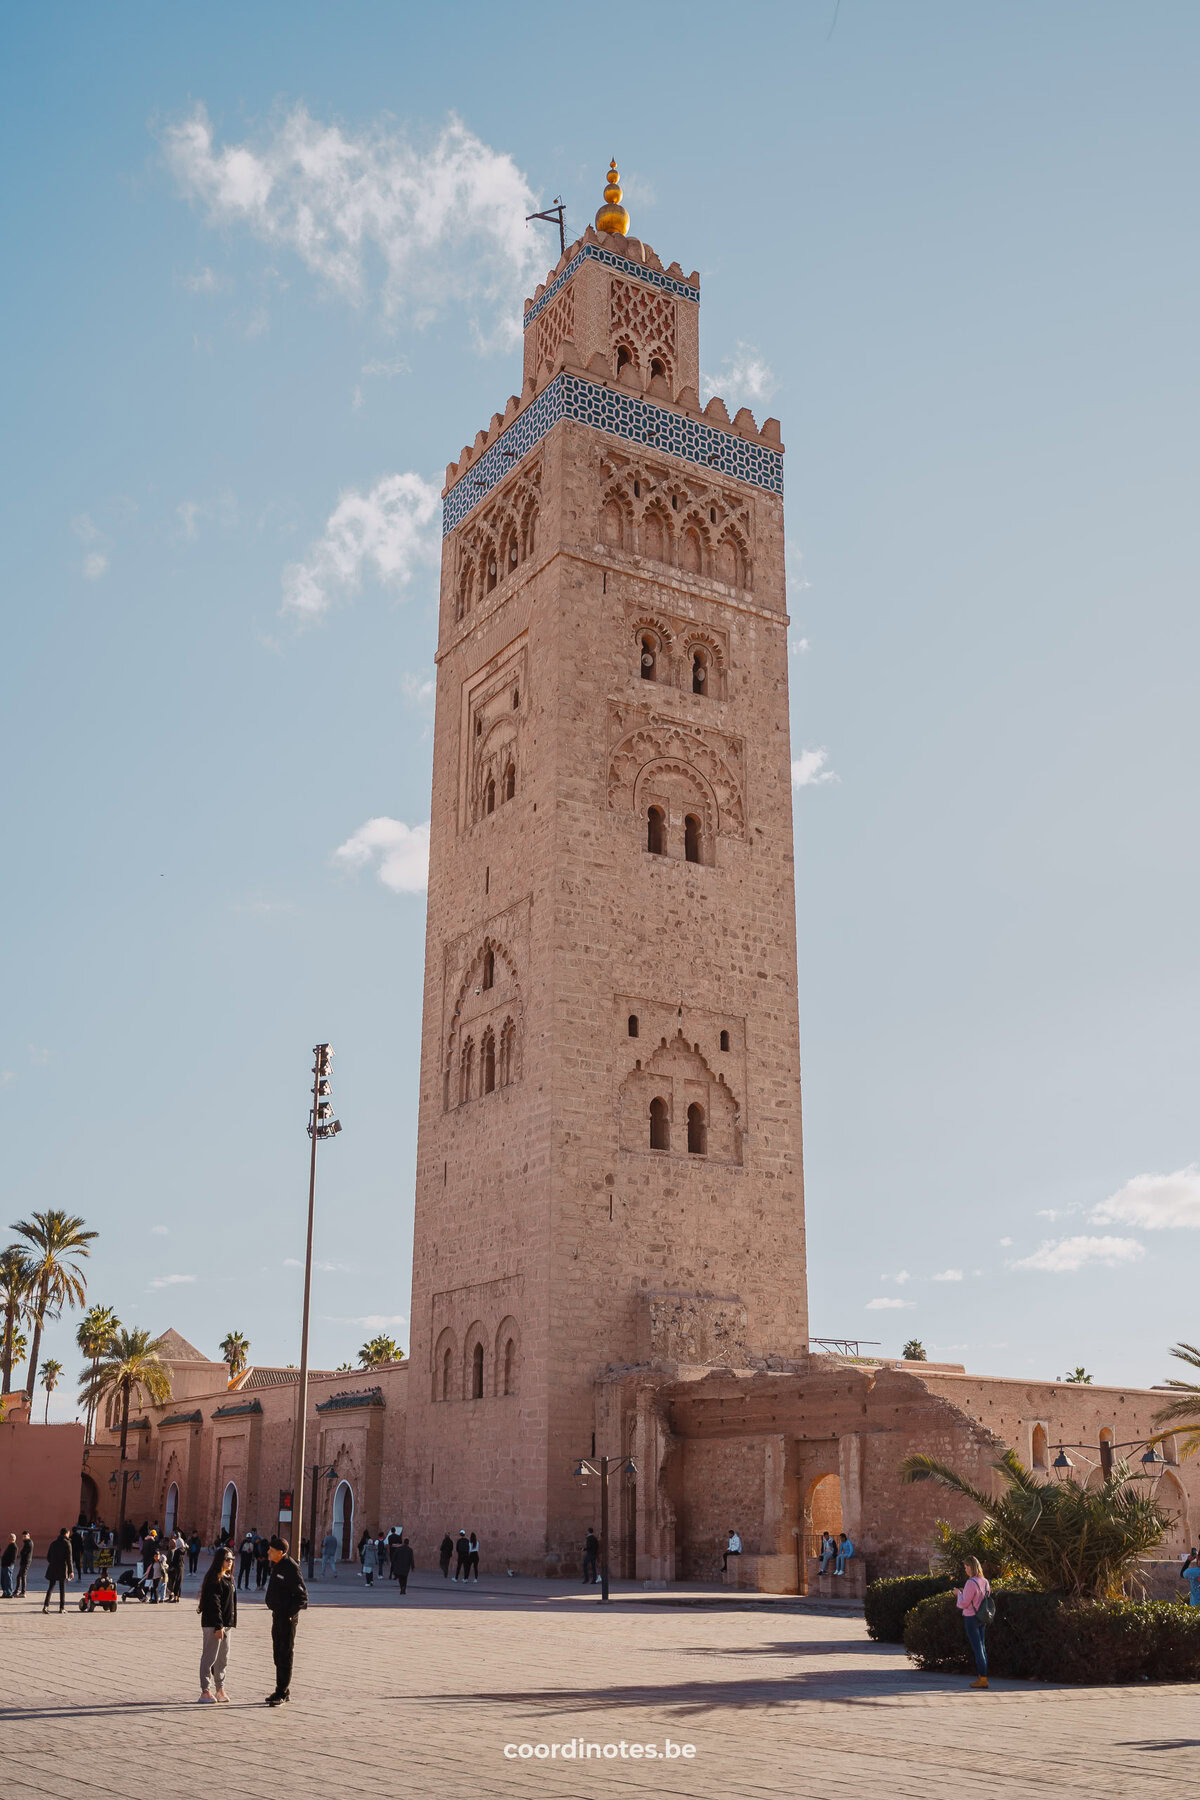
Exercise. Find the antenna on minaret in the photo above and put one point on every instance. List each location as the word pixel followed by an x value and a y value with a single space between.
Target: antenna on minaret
pixel 554 215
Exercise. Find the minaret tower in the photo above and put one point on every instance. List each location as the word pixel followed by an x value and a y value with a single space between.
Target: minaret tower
pixel 609 1159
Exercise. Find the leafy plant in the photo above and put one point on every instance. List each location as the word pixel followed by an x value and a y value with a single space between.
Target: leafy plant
pixel 980 1540
pixel 888 1602
pixel 1049 1637
pixel 235 1351
pixel 380 1350
pixel 1184 1411
pixel 1068 1539
pixel 96 1330
pixel 51 1372
pixel 16 1286
pixel 914 1351
pixel 57 1239
pixel 1079 1376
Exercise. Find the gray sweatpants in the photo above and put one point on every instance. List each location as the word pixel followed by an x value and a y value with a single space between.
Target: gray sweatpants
pixel 213 1658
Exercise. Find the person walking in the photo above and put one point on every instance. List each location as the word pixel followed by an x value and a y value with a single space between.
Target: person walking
pixel 23 1562
pixel 286 1599
pixel 403 1561
pixel 732 1548
pixel 246 1560
pixel 262 1554
pixel 193 1551
pixel 445 1552
pixel 370 1557
pixel 462 1550
pixel 59 1569
pixel 218 1617
pixel 591 1553
pixel 975 1603
pixel 329 1554
pixel 472 1559
pixel 8 1563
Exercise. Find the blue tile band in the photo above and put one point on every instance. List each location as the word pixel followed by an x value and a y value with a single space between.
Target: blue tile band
pixel 623 415
pixel 639 272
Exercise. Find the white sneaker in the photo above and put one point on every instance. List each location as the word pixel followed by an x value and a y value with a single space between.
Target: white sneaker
pixel 206 1700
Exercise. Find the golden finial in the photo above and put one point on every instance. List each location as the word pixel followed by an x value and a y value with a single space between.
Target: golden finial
pixel 612 215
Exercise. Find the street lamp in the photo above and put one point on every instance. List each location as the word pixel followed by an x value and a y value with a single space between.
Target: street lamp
pixel 321 1125
pixel 604 1466
pixel 124 1485
pixel 330 1475
pixel 1152 1463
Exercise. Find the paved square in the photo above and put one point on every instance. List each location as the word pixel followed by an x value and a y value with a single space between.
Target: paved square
pixel 421 1695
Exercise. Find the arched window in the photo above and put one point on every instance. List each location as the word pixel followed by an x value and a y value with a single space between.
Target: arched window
pixel 508 1034
pixel 510 781
pixel 489 969
pixel 697 1130
pixel 624 357
pixel 724 1040
pixel 513 554
pixel 463 603
pixel 691 838
pixel 654 536
pixel 510 1371
pixel 489 800
pixel 656 831
pixel 171 1514
pixel 633 1024
pixel 612 523
pixel 691 556
pixel 477 1372
pixel 487 1062
pixel 658 367
pixel 229 1503
pixel 447 1372
pixel 699 672
pixel 1040 1453
pixel 660 1125
pixel 649 659
pixel 466 1072
pixel 492 571
pixel 343 1519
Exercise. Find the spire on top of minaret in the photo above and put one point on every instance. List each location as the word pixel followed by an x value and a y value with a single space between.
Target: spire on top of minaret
pixel 612 216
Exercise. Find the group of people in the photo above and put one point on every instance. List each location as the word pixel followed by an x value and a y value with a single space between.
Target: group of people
pixel 464 1549
pixel 387 1552
pixel 286 1598
pixel 253 1559
pixel 14 1565
pixel 837 1551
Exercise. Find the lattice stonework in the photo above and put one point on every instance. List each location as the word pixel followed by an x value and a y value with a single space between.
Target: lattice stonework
pixel 645 317
pixel 556 325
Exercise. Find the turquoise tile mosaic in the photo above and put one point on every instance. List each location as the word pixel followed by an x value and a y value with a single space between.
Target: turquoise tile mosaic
pixel 624 415
pixel 639 271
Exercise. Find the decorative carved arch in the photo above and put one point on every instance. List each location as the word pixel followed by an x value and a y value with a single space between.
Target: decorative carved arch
pixel 466 584
pixel 690 750
pixel 732 562
pixel 679 1074
pixel 656 537
pixel 506 988
pixel 694 554
pixel 506 1362
pixel 475 1337
pixel 659 781
pixel 446 1342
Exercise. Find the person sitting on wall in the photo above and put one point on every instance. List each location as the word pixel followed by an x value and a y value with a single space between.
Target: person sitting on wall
pixel 732 1548
pixel 845 1551
pixel 828 1551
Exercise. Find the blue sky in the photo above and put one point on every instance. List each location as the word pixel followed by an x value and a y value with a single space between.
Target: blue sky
pixel 264 274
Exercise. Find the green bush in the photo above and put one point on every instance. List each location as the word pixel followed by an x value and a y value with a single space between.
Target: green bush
pixel 1050 1637
pixel 888 1603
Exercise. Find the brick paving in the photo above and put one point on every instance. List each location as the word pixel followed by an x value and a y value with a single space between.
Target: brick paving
pixel 420 1695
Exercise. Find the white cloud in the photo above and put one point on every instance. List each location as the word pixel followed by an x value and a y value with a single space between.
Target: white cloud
pixel 809 769
pixel 949 1275
pixel 159 1231
pixel 1069 1254
pixel 164 1281
pixel 900 1277
pixel 444 223
pixel 402 850
pixel 223 512
pixel 206 281
pixel 94 565
pixel 418 690
pixel 1155 1202
pixel 385 534
pixel 886 1305
pixel 1005 1243
pixel 744 379
pixel 797 646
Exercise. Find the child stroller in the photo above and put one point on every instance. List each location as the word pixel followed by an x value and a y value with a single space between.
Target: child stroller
pixel 136 1586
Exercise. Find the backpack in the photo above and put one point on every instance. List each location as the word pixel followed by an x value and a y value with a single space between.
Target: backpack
pixel 985 1612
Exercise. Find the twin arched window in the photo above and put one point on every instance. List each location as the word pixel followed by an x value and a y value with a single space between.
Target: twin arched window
pixel 660 1127
pixel 656 835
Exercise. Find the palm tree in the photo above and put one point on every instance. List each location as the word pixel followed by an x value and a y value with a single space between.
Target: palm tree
pixel 234 1351
pixel 14 1302
pixel 1079 1376
pixel 1067 1538
pixel 380 1350
pixel 1185 1409
pixel 95 1334
pixel 130 1367
pixel 51 1370
pixel 914 1351
pixel 58 1238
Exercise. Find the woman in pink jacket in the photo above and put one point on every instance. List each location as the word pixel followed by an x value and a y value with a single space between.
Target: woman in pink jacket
pixel 970 1598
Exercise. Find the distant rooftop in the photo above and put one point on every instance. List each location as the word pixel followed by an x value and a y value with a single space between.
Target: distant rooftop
pixel 173 1348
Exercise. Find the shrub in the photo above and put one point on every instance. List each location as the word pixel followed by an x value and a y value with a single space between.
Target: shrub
pixel 1051 1637
pixel 888 1603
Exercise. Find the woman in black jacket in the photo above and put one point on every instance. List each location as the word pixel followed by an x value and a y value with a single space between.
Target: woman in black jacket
pixel 218 1616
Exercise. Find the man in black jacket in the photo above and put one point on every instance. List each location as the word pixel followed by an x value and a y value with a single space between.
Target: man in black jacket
pixel 402 1562
pixel 23 1562
pixel 286 1598
pixel 59 1569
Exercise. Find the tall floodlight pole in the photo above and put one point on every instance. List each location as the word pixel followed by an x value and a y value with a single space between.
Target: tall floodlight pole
pixel 321 1124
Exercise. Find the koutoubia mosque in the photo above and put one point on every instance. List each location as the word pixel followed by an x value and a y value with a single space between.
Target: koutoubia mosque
pixel 610 1111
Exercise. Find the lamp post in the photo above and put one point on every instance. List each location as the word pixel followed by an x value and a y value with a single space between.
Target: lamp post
pixel 112 1484
pixel 1152 1463
pixel 330 1475
pixel 321 1124
pixel 604 1466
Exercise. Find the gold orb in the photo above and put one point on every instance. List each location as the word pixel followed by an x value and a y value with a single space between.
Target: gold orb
pixel 612 216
